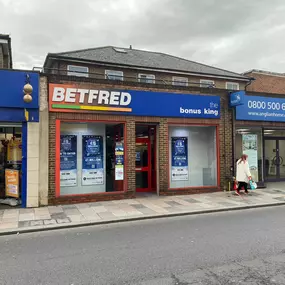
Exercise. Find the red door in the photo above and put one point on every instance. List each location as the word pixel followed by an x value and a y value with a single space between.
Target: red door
pixel 143 165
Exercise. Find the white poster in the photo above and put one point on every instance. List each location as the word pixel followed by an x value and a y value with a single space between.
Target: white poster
pixel 68 177
pixel 249 147
pixel 179 173
pixel 119 172
pixel 92 177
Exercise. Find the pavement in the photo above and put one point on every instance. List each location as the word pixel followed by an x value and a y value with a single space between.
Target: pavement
pixel 13 221
pixel 227 248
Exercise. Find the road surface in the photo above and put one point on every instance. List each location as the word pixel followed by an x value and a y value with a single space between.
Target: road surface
pixel 244 247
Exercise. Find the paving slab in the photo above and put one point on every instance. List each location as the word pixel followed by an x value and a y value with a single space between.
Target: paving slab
pixel 14 221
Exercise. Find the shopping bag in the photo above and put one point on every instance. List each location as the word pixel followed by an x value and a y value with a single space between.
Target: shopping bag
pixel 252 185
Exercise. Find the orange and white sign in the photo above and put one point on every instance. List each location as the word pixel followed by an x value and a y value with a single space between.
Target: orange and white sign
pixel 12 183
pixel 70 98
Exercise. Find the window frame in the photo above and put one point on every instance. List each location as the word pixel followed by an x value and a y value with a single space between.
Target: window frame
pixel 233 83
pixel 148 77
pixel 218 165
pixel 179 81
pixel 77 73
pixel 56 158
pixel 209 83
pixel 115 73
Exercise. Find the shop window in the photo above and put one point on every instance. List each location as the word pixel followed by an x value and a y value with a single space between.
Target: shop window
pixel 147 78
pixel 249 141
pixel 75 70
pixel 114 75
pixel 193 156
pixel 91 158
pixel 207 83
pixel 10 165
pixel 179 81
pixel 232 86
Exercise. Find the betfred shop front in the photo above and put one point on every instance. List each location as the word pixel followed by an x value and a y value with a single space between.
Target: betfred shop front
pixel 113 143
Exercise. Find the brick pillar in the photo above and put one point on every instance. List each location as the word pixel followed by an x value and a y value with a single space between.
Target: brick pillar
pixel 51 194
pixel 131 155
pixel 163 161
pixel 225 137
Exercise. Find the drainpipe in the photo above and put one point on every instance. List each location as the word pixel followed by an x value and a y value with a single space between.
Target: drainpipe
pixel 233 130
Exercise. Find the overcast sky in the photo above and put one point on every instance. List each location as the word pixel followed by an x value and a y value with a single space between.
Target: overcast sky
pixel 237 35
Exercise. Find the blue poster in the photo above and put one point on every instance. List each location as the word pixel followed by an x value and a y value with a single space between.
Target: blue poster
pixel 92 160
pixel 68 160
pixel 179 159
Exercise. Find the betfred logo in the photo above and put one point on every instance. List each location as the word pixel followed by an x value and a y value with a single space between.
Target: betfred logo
pixel 69 98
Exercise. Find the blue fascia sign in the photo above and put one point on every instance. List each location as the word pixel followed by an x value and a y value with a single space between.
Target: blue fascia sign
pixel 69 98
pixel 11 92
pixel 236 98
pixel 174 105
pixel 257 108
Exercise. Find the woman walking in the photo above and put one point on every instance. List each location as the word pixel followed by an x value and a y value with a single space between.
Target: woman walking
pixel 243 175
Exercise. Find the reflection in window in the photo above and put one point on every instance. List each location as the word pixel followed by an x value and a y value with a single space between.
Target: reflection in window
pixel 199 167
pixel 249 141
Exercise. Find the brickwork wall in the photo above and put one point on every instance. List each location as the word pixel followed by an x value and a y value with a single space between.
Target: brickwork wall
pixel 132 75
pixel 267 83
pixel 1 58
pixel 224 139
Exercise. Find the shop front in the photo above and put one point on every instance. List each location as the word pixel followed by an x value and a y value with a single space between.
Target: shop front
pixel 18 112
pixel 260 133
pixel 114 143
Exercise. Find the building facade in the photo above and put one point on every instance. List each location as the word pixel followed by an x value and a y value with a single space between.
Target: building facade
pixel 125 121
pixel 19 133
pixel 5 52
pixel 266 82
pixel 260 125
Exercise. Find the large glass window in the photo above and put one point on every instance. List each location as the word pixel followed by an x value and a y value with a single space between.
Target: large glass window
pixel 10 163
pixel 249 141
pixel 193 156
pixel 91 158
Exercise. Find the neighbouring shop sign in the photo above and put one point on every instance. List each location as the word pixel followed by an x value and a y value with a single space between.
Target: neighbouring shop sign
pixel 92 160
pixel 68 160
pixel 256 108
pixel 179 160
pixel 236 98
pixel 119 161
pixel 12 183
pixel 249 147
pixel 70 98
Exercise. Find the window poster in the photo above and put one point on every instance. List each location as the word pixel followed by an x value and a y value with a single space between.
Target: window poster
pixel 249 147
pixel 68 160
pixel 12 183
pixel 119 161
pixel 92 160
pixel 179 159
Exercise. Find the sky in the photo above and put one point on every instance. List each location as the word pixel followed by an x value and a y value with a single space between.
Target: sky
pixel 237 35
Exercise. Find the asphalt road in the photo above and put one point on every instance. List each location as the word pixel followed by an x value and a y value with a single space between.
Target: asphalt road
pixel 245 247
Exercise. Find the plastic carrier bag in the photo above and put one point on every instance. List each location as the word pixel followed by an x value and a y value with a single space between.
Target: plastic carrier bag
pixel 252 185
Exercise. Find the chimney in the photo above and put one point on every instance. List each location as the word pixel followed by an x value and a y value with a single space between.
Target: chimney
pixel 131 47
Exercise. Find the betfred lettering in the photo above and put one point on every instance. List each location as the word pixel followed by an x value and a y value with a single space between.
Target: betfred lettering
pixel 90 96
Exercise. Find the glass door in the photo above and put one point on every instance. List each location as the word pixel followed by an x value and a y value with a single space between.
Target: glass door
pixel 274 149
pixel 143 165
pixel 281 158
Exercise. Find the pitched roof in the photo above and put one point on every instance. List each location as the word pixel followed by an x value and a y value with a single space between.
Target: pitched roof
pixel 145 59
